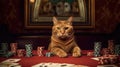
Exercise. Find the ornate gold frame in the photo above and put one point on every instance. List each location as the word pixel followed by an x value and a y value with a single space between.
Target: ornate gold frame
pixel 86 19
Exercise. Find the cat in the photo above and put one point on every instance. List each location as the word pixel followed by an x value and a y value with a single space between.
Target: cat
pixel 62 39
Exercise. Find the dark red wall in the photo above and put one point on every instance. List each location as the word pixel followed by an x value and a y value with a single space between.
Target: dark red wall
pixel 107 16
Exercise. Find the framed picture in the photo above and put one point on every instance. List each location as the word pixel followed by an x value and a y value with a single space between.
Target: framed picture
pixel 39 13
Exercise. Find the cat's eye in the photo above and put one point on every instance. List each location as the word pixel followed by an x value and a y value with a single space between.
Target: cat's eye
pixel 58 28
pixel 66 28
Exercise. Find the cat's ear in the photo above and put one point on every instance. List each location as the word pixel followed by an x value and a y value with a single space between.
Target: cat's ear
pixel 70 19
pixel 55 20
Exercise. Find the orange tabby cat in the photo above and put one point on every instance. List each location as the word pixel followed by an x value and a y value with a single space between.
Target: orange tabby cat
pixel 62 39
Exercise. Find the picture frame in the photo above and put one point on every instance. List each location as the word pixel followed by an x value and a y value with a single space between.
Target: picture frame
pixel 39 13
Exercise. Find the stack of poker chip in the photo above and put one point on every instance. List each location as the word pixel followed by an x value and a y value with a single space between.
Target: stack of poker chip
pixel 109 60
pixel 8 54
pixel 97 49
pixel 111 46
pixel 4 48
pixel 105 52
pixel 13 48
pixel 117 49
pixel 40 51
pixel 28 50
pixel 20 52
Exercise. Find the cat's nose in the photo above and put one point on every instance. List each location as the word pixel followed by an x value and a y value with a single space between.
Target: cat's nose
pixel 62 32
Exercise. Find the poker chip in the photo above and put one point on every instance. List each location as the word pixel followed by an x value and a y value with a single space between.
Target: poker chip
pixel 90 53
pixel 48 54
pixel 28 50
pixel 40 50
pixel 20 52
pixel 97 49
pixel 4 46
pixel 111 46
pixel 117 49
pixel 105 52
pixel 111 59
pixel 8 54
pixel 13 48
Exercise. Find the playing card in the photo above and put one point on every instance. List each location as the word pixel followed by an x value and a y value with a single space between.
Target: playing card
pixel 107 66
pixel 95 58
pixel 11 60
pixel 50 64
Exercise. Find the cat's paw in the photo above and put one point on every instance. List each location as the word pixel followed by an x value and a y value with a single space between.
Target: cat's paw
pixel 76 54
pixel 62 54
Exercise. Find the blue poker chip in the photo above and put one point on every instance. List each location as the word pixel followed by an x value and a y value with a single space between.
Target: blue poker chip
pixel 48 54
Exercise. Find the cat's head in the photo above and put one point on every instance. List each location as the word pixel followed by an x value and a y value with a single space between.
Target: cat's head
pixel 62 29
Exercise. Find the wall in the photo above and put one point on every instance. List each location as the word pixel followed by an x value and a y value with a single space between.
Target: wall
pixel 107 16
pixel 12 17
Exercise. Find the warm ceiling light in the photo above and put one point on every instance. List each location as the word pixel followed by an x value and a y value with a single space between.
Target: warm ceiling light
pixel 32 1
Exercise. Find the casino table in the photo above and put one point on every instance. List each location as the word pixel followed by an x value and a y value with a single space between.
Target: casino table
pixel 35 59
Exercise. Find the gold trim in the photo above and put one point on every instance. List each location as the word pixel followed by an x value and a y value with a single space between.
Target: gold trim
pixel 91 17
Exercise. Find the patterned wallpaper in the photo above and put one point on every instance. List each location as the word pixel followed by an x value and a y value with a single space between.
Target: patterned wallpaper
pixel 107 16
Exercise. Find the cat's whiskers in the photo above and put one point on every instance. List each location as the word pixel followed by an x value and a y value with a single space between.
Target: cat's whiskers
pixel 62 39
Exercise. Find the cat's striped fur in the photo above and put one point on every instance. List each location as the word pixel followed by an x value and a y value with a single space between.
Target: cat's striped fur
pixel 62 39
